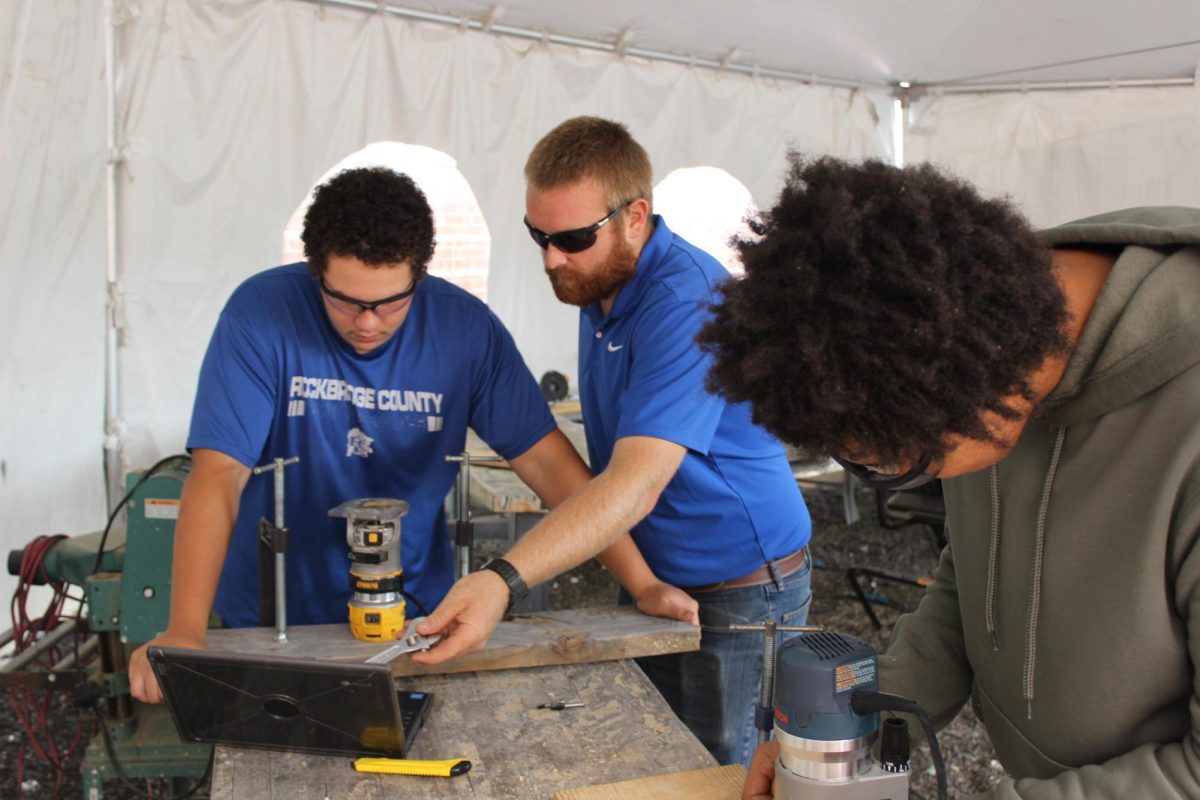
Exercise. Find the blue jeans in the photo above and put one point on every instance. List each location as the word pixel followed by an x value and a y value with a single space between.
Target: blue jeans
pixel 715 689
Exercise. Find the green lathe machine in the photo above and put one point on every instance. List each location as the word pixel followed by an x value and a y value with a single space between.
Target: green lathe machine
pixel 126 593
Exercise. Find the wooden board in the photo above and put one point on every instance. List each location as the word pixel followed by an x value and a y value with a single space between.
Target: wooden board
pixel 574 431
pixel 566 407
pixel 717 783
pixel 555 637
pixel 500 491
pixel 625 730
pixel 495 488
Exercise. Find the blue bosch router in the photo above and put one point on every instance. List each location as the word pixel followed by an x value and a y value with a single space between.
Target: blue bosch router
pixel 826 719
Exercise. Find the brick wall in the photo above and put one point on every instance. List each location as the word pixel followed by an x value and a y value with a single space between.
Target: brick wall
pixel 463 240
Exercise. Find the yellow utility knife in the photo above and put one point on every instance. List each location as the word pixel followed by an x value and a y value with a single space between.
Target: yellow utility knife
pixel 406 766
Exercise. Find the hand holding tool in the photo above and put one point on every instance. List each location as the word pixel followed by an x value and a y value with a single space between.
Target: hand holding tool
pixel 408 642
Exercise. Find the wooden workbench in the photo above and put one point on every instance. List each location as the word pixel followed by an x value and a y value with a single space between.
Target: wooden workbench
pixel 485 711
pixel 625 730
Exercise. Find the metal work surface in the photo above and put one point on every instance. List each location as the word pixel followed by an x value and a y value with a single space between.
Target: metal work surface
pixel 624 730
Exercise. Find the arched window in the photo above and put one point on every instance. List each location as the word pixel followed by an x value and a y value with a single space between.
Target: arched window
pixel 707 206
pixel 463 240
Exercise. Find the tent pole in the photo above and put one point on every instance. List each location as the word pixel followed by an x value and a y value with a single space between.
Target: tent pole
pixel 113 423
pixel 1052 86
pixel 903 95
pixel 899 112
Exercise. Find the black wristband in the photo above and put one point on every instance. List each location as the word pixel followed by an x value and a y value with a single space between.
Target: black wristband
pixel 517 589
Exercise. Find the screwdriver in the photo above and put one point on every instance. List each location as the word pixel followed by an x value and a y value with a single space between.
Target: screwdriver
pixel 559 705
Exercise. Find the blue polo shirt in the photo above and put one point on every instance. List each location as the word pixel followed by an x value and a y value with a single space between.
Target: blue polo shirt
pixel 278 381
pixel 733 504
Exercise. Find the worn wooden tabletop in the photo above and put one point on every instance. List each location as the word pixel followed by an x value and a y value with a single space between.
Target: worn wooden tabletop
pixel 569 636
pixel 624 730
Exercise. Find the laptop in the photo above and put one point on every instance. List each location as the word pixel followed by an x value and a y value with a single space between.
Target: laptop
pixel 277 703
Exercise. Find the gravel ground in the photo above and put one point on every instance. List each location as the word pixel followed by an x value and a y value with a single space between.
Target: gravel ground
pixel 910 551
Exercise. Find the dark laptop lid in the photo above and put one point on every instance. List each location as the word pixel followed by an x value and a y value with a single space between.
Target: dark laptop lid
pixel 286 703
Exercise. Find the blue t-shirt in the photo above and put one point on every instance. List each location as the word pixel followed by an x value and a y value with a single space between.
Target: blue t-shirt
pixel 734 503
pixel 278 381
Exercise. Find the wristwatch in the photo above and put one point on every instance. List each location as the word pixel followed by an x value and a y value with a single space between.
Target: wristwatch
pixel 517 589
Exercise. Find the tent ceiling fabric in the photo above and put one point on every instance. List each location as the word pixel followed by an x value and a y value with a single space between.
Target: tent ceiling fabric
pixel 922 41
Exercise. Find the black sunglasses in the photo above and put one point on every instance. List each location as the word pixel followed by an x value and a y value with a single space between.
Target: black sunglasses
pixel 350 305
pixel 575 240
pixel 876 479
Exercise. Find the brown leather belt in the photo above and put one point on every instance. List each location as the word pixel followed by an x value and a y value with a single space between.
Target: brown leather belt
pixel 786 566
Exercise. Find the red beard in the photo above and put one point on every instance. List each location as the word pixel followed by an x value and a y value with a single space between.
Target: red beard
pixel 584 289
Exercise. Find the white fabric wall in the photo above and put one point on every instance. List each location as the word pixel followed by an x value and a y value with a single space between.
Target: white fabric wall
pixel 52 271
pixel 227 113
pixel 231 116
pixel 1064 155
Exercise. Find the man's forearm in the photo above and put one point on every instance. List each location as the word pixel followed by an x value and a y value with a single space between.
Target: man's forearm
pixel 588 521
pixel 594 517
pixel 208 510
pixel 194 576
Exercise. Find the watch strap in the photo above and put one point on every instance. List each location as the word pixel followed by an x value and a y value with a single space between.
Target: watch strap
pixel 518 590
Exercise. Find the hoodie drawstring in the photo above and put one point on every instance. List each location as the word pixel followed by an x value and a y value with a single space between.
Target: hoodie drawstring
pixel 1035 575
pixel 989 614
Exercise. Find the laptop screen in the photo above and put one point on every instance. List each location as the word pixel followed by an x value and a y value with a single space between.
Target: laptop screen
pixel 287 703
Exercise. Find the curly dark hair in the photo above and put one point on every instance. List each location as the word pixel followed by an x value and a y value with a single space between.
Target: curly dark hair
pixel 373 214
pixel 882 309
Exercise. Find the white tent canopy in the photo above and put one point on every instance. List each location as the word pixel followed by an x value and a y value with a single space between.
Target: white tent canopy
pixel 962 44
pixel 223 116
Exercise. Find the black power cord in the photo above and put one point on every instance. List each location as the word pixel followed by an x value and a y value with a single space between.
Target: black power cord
pixel 863 702
pixel 184 457
pixel 420 606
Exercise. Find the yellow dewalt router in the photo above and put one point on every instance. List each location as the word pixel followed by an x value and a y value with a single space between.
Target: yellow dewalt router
pixel 376 575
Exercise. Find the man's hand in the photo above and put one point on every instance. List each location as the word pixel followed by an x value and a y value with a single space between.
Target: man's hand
pixel 466 618
pixel 142 683
pixel 664 600
pixel 761 773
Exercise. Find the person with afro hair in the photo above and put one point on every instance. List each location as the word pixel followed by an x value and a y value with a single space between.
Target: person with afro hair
pixel 369 370
pixel 899 322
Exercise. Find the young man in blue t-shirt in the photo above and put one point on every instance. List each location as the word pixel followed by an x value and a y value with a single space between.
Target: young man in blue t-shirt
pixel 370 371
pixel 709 496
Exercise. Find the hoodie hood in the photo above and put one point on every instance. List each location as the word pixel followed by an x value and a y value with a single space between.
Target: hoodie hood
pixel 1141 330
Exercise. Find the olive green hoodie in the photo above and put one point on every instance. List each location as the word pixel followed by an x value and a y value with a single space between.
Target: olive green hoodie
pixel 1063 605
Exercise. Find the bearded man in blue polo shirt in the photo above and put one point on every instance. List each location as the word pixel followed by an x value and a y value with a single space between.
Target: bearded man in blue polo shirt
pixel 709 496
pixel 370 371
